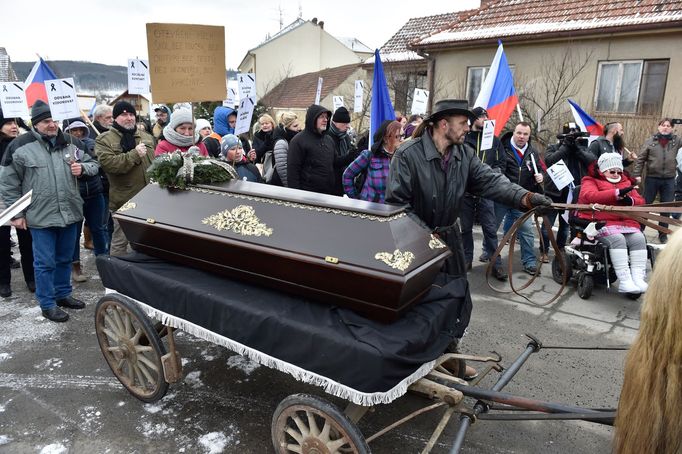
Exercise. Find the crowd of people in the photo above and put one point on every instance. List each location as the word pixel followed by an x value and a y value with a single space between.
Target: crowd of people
pixel 439 166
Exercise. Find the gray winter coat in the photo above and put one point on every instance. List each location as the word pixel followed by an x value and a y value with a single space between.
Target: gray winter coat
pixel 280 153
pixel 31 163
pixel 660 161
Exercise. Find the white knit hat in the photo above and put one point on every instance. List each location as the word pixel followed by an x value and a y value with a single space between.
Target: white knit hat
pixel 201 123
pixel 609 161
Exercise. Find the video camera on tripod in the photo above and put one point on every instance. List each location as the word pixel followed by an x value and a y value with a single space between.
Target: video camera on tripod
pixel 571 133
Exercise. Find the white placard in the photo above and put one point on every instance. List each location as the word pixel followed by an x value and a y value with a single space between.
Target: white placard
pixel 488 134
pixel 244 115
pixel 13 100
pixel 560 174
pixel 359 95
pixel 61 95
pixel 337 101
pixel 246 83
pixel 318 93
pixel 138 76
pixel 231 100
pixel 419 100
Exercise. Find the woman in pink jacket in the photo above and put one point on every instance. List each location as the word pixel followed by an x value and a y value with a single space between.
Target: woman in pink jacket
pixel 179 134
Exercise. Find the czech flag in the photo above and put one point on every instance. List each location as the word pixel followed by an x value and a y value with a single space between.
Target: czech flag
pixel 497 94
pixel 586 123
pixel 382 108
pixel 35 82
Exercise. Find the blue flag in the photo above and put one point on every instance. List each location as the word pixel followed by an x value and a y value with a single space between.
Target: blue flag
pixel 382 108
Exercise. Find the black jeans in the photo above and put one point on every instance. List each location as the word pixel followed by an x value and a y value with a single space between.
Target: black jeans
pixel 486 216
pixel 665 187
pixel 25 249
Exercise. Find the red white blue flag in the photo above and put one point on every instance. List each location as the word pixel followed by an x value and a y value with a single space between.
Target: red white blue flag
pixel 586 123
pixel 497 94
pixel 35 82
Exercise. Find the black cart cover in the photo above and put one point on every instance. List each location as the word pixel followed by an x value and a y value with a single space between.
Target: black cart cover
pixel 351 357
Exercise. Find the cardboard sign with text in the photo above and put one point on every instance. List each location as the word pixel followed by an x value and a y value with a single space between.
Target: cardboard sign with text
pixel 61 95
pixel 186 62
pixel 13 100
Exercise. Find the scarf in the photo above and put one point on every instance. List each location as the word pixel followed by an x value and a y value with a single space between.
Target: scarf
pixel 289 134
pixel 177 139
pixel 127 137
pixel 343 139
pixel 519 152
pixel 663 139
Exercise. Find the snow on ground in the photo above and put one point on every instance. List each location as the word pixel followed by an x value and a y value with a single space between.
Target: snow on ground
pixel 216 442
pixel 54 448
pixel 242 363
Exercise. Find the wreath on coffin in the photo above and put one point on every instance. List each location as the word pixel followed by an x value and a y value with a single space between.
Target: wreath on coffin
pixel 178 169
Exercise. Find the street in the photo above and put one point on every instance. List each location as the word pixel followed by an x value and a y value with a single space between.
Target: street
pixel 58 395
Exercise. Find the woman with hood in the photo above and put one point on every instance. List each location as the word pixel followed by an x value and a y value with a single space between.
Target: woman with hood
pixel 224 122
pixel 622 236
pixel 375 162
pixel 289 126
pixel 179 134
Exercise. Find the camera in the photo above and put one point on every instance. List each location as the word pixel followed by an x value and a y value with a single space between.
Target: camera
pixel 676 121
pixel 575 135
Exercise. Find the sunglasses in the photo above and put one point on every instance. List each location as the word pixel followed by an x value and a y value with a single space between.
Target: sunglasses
pixel 619 172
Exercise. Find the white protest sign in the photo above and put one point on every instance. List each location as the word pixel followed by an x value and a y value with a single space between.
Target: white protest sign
pixel 244 115
pixel 337 101
pixel 61 95
pixel 231 100
pixel 246 82
pixel 13 100
pixel 560 174
pixel 488 134
pixel 419 101
pixel 359 94
pixel 138 76
pixel 319 91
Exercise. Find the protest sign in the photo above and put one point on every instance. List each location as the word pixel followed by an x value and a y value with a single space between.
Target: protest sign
pixel 560 174
pixel 318 93
pixel 186 62
pixel 247 85
pixel 138 76
pixel 13 100
pixel 231 100
pixel 244 115
pixel 488 134
pixel 359 94
pixel 419 100
pixel 61 95
pixel 337 101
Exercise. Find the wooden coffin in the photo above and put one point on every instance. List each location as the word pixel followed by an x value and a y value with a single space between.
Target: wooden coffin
pixel 368 257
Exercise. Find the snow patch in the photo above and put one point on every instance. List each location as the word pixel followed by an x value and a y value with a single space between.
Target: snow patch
pixel 91 419
pixel 242 363
pixel 5 356
pixel 150 429
pixel 51 364
pixel 153 408
pixel 22 324
pixel 4 439
pixel 54 448
pixel 216 442
pixel 193 379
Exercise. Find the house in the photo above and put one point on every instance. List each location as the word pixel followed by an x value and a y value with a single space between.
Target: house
pixel 617 60
pixel 7 73
pixel 140 102
pixel 298 93
pixel 301 47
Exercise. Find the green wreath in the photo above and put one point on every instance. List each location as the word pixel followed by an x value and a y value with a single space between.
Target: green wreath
pixel 180 169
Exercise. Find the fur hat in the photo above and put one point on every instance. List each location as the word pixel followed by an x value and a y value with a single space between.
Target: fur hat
pixel 228 142
pixel 341 115
pixel 201 123
pixel 123 107
pixel 610 161
pixel 39 112
pixel 179 117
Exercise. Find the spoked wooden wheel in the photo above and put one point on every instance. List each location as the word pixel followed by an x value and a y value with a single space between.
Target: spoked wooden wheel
pixel 307 424
pixel 132 347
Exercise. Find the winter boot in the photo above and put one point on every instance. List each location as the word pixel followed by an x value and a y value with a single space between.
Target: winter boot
pixel 87 238
pixel 638 268
pixel 77 272
pixel 619 261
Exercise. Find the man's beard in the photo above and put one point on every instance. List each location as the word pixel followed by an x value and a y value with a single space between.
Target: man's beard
pixel 618 142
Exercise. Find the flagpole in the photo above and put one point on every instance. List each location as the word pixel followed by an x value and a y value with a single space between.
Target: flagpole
pixel 518 109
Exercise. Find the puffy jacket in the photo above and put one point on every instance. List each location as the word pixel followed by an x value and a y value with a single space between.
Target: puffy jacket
pixel 90 186
pixel 310 163
pixel 127 171
pixel 521 174
pixel 602 145
pixel 596 189
pixel 165 146
pixel 660 161
pixel 31 163
pixel 494 156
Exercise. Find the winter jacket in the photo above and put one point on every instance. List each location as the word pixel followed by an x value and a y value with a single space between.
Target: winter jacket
pixel 126 170
pixel 377 167
pixel 494 156
pixel 522 174
pixel 596 189
pixel 577 160
pixel 602 145
pixel 157 130
pixel 212 146
pixel 247 171
pixel 310 163
pixel 341 161
pixel 660 161
pixel 32 163
pixel 434 196
pixel 222 127
pixel 165 146
pixel 262 143
pixel 90 186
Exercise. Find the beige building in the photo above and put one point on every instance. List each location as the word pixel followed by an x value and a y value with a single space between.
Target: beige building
pixel 617 61
pixel 139 102
pixel 300 48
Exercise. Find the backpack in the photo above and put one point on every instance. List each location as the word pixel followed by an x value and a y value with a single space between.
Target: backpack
pixel 359 180
pixel 268 165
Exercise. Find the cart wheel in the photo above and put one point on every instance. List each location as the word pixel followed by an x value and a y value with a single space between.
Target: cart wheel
pixel 585 285
pixel 307 424
pixel 132 347
pixel 557 275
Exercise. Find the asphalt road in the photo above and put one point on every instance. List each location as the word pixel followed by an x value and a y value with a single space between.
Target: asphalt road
pixel 57 394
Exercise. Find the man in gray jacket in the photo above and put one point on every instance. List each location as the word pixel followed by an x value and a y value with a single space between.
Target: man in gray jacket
pixel 49 163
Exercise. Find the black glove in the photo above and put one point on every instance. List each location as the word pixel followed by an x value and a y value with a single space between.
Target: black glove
pixel 569 140
pixel 628 201
pixel 623 192
pixel 535 200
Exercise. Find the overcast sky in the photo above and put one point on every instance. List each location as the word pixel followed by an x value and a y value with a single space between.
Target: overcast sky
pixel 112 31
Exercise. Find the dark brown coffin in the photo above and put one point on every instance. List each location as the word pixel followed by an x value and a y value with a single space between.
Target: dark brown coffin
pixel 371 258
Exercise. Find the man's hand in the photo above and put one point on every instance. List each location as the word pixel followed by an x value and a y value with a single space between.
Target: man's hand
pixel 19 223
pixel 638 180
pixel 539 178
pixel 631 155
pixel 533 200
pixel 141 149
pixel 76 169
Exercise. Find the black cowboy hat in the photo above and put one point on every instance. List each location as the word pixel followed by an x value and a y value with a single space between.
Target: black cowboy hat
pixel 447 107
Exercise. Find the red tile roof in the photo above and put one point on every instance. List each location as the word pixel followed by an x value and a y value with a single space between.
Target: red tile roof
pixel 525 18
pixel 299 92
